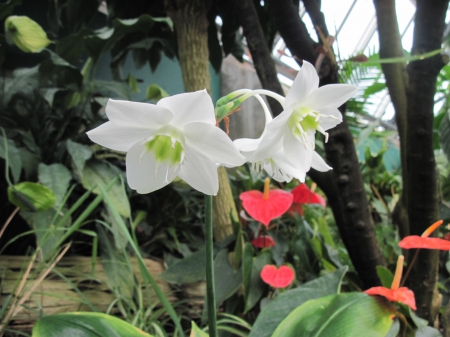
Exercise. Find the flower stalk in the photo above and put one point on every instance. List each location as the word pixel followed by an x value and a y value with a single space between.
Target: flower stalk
pixel 210 291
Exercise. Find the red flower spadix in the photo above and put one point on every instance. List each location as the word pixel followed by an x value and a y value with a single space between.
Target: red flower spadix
pixel 303 195
pixel 277 277
pixel 263 241
pixel 395 294
pixel 268 205
pixel 425 242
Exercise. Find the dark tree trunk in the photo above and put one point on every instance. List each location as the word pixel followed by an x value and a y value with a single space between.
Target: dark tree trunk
pixel 343 186
pixel 421 177
pixel 263 62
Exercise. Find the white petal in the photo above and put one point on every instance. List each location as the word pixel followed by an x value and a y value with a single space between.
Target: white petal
pixel 190 107
pixel 137 115
pixel 319 164
pixel 285 165
pixel 326 122
pixel 296 152
pixel 329 96
pixel 200 173
pixel 272 139
pixel 213 143
pixel 305 82
pixel 246 144
pixel 117 138
pixel 141 171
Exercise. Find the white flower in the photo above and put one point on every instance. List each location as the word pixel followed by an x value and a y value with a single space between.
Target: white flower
pixel 175 137
pixel 307 108
pixel 277 166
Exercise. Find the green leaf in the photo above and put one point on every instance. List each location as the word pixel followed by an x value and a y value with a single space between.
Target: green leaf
pixel 277 310
pixel 350 314
pixel 117 266
pixel 188 270
pixel 14 158
pixel 256 285
pixel 31 196
pixel 121 89
pixel 385 276
pixel 226 279
pixel 427 331
pixel 98 172
pixel 57 178
pixel 196 331
pixel 26 34
pixel 48 233
pixel 155 92
pixel 79 153
pixel 85 324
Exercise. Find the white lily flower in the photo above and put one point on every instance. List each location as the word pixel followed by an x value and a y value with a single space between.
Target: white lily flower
pixel 176 137
pixel 307 109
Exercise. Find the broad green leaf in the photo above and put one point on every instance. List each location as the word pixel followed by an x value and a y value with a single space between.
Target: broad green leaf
pixel 98 172
pixel 247 264
pixel 196 331
pixel 46 231
pixel 226 279
pixel 101 40
pixel 24 80
pixel 427 331
pixel 14 158
pixel 121 89
pixel 57 178
pixel 49 94
pixel 277 310
pixel 349 314
pixel 85 324
pixel 155 92
pixel 30 162
pixel 256 285
pixel 79 153
pixel 385 276
pixel 31 196
pixel 188 270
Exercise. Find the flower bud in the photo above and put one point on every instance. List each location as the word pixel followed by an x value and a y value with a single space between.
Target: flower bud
pixel 26 34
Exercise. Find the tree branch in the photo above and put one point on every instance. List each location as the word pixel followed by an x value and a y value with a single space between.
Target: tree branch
pixel 262 60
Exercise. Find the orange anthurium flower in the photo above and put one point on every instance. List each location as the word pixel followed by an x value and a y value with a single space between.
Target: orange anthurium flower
pixel 303 195
pixel 277 277
pixel 425 242
pixel 268 205
pixel 396 293
pixel 263 241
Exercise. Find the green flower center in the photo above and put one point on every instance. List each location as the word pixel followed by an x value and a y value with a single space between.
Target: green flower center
pixel 302 120
pixel 166 149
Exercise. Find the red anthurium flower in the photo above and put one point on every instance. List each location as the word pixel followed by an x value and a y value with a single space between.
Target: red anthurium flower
pixel 263 241
pixel 396 293
pixel 303 195
pixel 268 205
pixel 425 242
pixel 277 277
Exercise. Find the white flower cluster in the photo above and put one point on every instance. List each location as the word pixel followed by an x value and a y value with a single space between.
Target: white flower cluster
pixel 178 136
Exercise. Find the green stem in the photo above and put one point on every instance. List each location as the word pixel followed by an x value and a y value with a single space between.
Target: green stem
pixel 210 293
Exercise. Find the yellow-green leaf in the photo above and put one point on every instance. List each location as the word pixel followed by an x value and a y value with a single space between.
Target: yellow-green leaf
pixel 31 196
pixel 26 34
